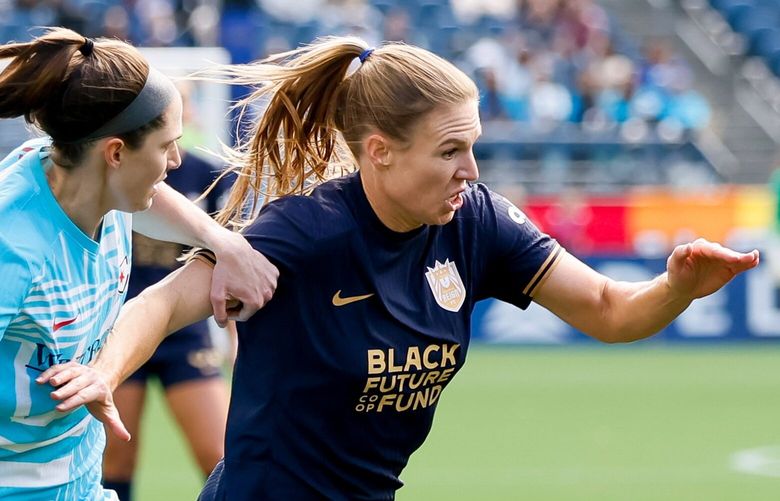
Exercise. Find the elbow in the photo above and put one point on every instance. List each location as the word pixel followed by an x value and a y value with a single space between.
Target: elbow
pixel 610 336
pixel 611 331
pixel 620 334
pixel 616 339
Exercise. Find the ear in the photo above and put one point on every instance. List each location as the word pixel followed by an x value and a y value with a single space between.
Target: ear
pixel 113 149
pixel 378 150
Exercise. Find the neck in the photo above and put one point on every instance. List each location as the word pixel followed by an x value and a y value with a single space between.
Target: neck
pixel 78 193
pixel 388 212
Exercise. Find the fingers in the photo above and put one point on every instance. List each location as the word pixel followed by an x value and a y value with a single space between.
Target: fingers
pixel 82 385
pixel 114 423
pixel 716 251
pixel 244 314
pixel 54 370
pixel 74 396
pixel 219 304
pixel 679 255
pixel 66 391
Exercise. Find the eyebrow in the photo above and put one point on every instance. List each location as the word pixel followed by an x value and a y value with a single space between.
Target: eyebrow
pixel 460 141
pixel 453 140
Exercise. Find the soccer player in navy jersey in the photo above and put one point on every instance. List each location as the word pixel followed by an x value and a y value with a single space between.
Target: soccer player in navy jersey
pixel 337 378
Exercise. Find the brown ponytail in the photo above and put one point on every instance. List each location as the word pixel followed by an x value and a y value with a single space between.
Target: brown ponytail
pixel 67 92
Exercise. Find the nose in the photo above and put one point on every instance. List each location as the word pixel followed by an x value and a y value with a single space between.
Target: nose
pixel 174 159
pixel 469 171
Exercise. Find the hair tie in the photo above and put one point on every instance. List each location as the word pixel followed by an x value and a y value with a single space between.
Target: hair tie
pixel 364 55
pixel 87 47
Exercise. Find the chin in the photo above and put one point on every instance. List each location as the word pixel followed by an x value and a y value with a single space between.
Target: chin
pixel 142 206
pixel 444 219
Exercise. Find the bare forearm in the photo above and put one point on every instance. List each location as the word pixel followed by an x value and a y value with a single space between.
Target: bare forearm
pixel 173 218
pixel 138 332
pixel 607 310
pixel 633 311
pixel 177 301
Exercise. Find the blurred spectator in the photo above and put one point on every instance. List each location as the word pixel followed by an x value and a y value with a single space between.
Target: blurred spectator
pixel 351 17
pixel 550 102
pixel 300 11
pixel 491 101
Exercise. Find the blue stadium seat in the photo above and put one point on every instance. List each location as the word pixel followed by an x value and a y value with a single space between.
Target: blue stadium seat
pixel 726 6
pixel 753 20
pixel 774 64
pixel 766 43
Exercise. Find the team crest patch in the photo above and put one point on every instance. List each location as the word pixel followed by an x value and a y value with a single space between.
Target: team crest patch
pixel 124 275
pixel 446 285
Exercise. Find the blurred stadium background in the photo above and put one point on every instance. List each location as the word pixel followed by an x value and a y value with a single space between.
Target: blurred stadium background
pixel 621 127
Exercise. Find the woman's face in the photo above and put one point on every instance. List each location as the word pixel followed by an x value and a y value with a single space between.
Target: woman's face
pixel 424 180
pixel 135 183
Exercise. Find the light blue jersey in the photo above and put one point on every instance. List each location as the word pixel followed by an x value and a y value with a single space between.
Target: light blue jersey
pixel 60 293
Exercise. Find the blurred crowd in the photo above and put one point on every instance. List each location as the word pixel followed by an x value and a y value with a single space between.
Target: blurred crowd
pixel 545 62
pixel 565 61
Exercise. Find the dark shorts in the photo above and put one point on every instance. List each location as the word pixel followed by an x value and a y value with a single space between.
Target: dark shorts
pixel 185 355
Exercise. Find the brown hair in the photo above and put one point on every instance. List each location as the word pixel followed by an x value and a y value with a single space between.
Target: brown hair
pixel 68 93
pixel 317 113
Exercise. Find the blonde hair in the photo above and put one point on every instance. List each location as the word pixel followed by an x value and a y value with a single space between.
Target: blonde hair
pixel 317 112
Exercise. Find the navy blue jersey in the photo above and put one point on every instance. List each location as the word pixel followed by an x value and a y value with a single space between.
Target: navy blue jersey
pixel 338 377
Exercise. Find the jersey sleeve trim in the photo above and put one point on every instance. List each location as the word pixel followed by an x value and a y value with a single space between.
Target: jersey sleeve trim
pixel 544 270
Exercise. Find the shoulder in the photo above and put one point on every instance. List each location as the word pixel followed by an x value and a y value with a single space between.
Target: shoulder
pixel 23 151
pixel 293 228
pixel 25 219
pixel 322 214
pixel 18 182
pixel 14 262
pixel 481 203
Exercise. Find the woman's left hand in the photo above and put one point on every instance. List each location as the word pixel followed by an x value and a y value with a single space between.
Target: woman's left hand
pixel 700 268
pixel 243 281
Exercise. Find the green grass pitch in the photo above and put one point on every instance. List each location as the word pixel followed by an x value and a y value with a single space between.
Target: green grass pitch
pixel 595 423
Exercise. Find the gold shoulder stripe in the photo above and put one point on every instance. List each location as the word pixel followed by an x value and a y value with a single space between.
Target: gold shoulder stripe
pixel 544 270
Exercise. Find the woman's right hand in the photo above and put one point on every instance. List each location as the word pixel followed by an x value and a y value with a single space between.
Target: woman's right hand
pixel 78 384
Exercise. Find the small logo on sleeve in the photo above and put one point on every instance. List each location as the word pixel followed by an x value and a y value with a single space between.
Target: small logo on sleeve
pixel 124 275
pixel 341 301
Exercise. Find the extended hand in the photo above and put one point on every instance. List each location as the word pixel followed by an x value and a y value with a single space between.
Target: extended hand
pixel 700 268
pixel 82 385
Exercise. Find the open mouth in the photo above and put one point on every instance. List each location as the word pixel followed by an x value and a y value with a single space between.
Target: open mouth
pixel 456 201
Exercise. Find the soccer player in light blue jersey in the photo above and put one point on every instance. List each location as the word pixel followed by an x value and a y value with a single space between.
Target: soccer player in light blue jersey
pixel 337 379
pixel 65 219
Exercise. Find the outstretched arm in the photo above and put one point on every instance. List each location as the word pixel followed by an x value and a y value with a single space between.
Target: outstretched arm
pixel 614 311
pixel 181 299
pixel 241 272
